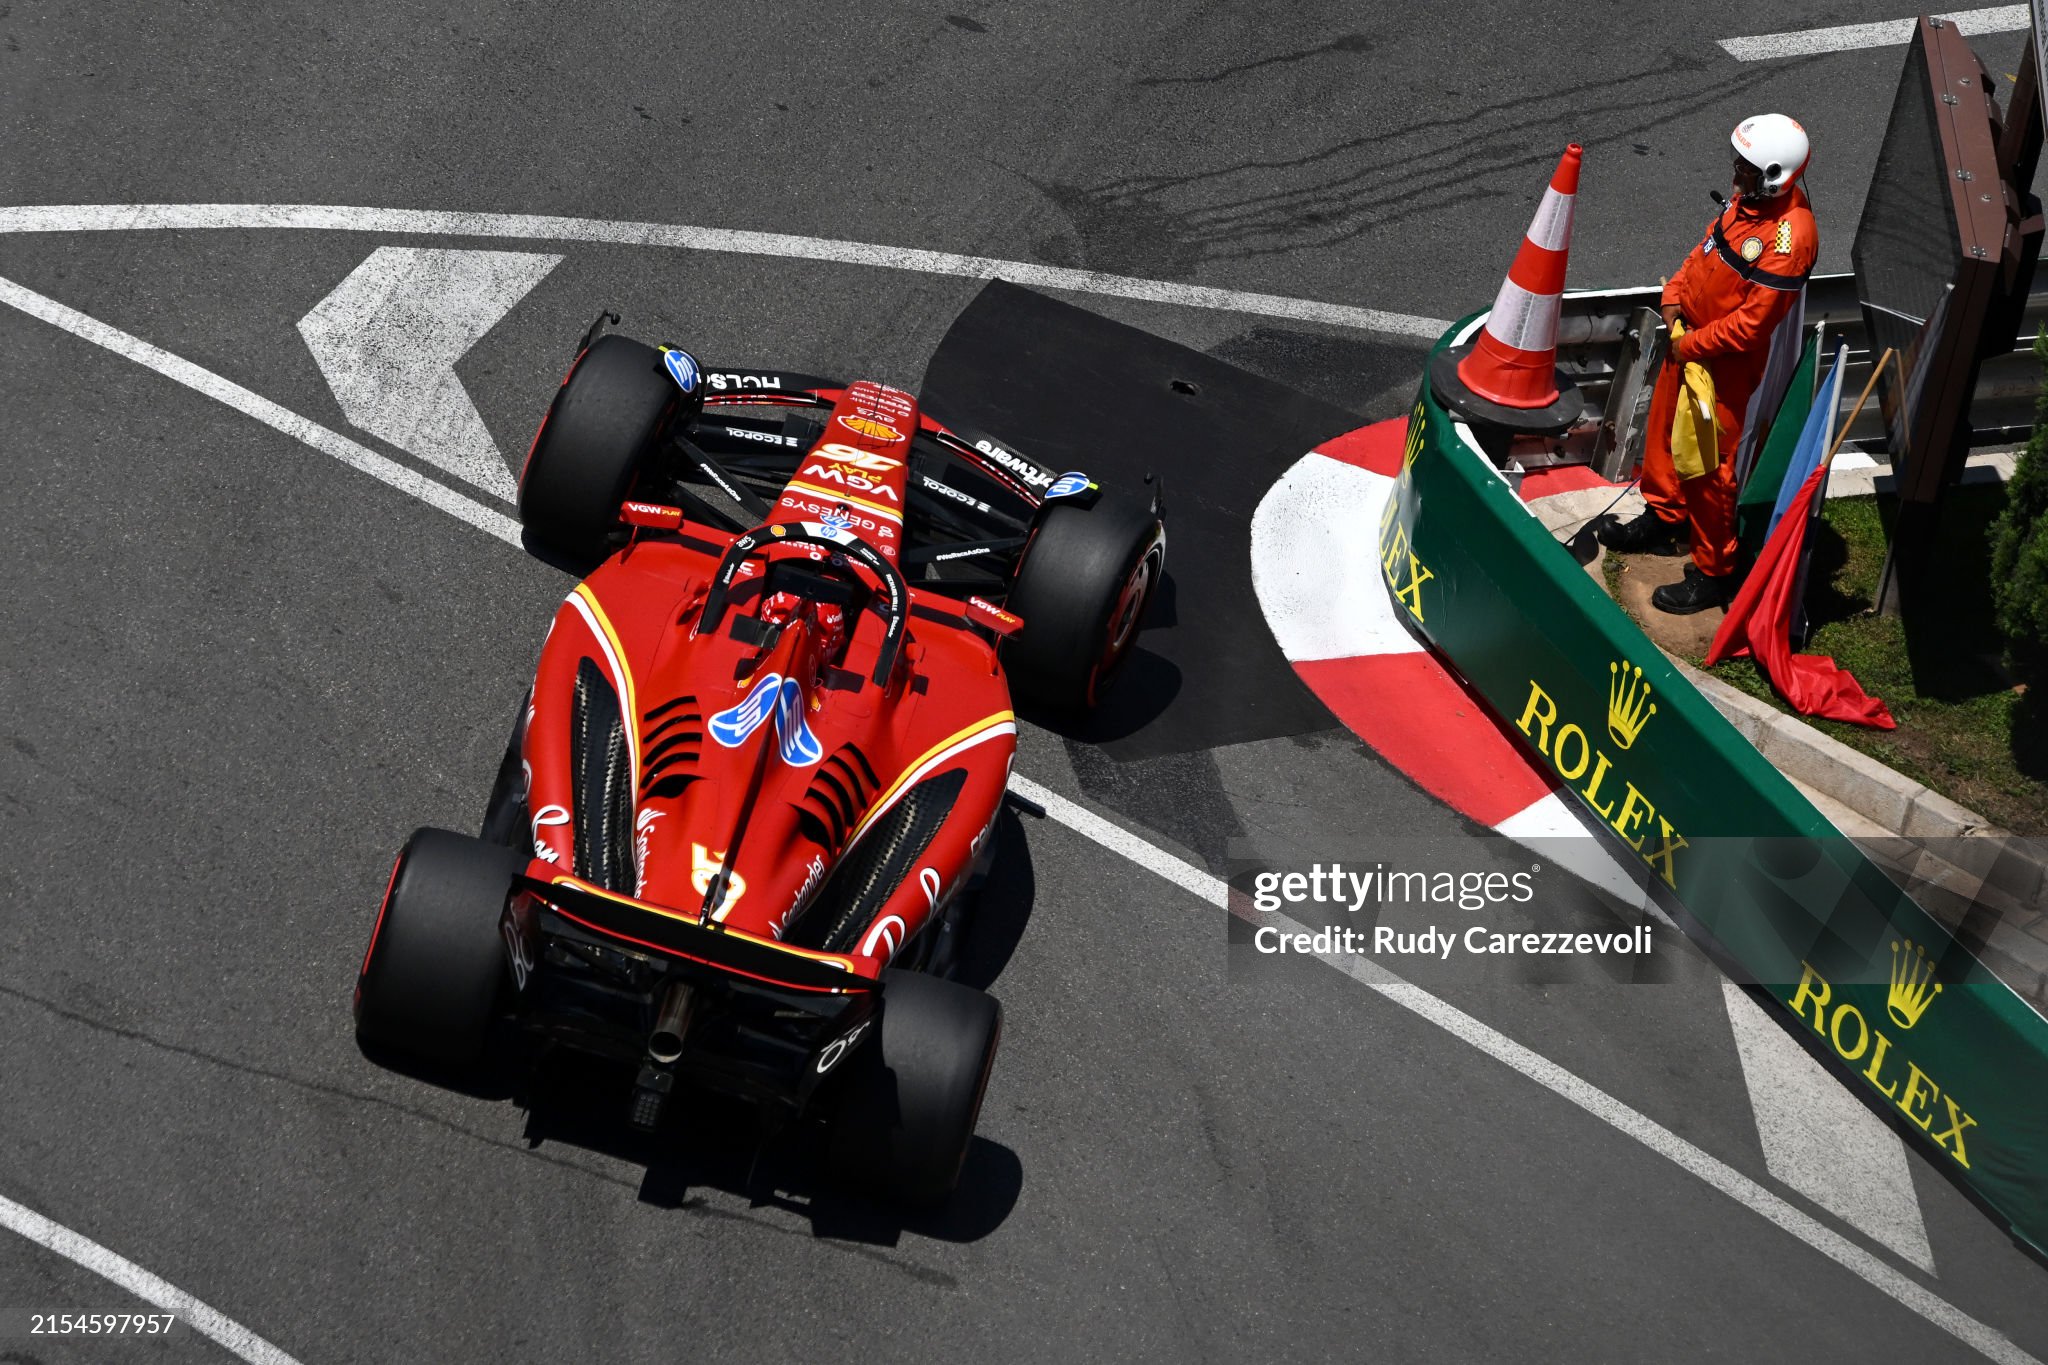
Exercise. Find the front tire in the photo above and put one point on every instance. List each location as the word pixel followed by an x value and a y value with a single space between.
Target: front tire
pixel 1082 588
pixel 609 416
pixel 911 1096
pixel 434 974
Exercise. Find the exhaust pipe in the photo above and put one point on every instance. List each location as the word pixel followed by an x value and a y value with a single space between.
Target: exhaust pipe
pixel 665 1044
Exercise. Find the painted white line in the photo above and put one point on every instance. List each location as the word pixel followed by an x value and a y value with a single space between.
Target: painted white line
pixel 388 338
pixel 1121 841
pixel 83 1251
pixel 1203 885
pixel 1554 1078
pixel 332 218
pixel 1764 47
pixel 205 381
pixel 1823 1142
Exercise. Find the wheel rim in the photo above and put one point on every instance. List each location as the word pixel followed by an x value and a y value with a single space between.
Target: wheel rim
pixel 1122 627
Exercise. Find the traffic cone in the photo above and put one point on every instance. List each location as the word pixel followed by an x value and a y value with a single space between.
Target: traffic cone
pixel 1514 362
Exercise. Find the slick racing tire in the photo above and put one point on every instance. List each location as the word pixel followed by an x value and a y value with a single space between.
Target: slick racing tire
pixel 434 973
pixel 1082 588
pixel 910 1097
pixel 610 414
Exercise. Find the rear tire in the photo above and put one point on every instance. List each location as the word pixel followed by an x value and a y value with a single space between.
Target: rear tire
pixel 1082 589
pixel 435 971
pixel 609 416
pixel 910 1097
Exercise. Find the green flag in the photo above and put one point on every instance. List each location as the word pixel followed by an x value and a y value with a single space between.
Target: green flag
pixel 1760 490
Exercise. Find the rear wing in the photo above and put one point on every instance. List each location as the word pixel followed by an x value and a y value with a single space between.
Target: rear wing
pixel 679 935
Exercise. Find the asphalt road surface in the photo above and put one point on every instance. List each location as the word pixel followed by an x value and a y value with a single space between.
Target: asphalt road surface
pixel 237 672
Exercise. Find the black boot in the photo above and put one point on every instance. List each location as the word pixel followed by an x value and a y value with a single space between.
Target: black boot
pixel 1694 592
pixel 1648 534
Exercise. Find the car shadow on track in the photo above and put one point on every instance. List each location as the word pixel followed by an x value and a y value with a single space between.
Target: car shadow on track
pixel 1142 691
pixel 707 1142
pixel 1002 907
pixel 710 1143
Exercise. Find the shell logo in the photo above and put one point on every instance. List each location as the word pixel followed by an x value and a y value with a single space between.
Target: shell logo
pixel 871 427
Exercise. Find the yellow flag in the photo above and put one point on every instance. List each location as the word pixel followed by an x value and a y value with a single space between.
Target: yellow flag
pixel 1695 435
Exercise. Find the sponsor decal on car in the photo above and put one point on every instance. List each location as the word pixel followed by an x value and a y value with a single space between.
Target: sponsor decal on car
pixel 643 830
pixel 726 380
pixel 869 399
pixel 821 513
pixel 946 490
pixel 782 698
pixel 814 872
pixel 796 744
pixel 547 817
pixel 732 726
pixel 872 427
pixel 851 479
pixel 651 515
pixel 1068 485
pixel 887 935
pixel 515 953
pixel 836 1050
pixel 1015 463
pixel 765 437
pixel 682 367
pixel 984 612
pixel 704 867
pixel 867 461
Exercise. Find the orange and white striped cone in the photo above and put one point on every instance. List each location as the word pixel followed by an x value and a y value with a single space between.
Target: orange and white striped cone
pixel 1513 364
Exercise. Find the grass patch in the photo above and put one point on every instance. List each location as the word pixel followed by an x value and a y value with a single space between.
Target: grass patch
pixel 1964 729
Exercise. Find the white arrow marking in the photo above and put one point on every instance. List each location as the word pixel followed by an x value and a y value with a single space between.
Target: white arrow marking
pixel 388 338
pixel 1821 1141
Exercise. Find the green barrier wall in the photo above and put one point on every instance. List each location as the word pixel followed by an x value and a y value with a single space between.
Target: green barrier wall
pixel 1901 1009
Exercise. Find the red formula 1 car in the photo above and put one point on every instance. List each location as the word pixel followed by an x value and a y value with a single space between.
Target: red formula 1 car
pixel 764 752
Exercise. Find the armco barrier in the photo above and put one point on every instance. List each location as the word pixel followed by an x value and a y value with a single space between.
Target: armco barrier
pixel 1882 992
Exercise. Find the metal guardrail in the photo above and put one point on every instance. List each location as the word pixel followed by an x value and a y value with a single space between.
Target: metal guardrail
pixel 1599 337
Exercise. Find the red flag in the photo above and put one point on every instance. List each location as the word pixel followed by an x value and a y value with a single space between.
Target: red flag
pixel 1760 624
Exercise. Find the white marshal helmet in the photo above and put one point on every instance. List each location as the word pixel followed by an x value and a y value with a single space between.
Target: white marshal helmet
pixel 1776 146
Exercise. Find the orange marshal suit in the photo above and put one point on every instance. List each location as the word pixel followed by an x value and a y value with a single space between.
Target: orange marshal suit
pixel 1732 291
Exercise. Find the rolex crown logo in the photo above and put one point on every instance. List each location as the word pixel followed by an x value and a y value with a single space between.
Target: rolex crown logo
pixel 1629 707
pixel 1913 985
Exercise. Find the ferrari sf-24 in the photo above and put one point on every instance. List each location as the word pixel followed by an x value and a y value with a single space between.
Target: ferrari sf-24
pixel 735 837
